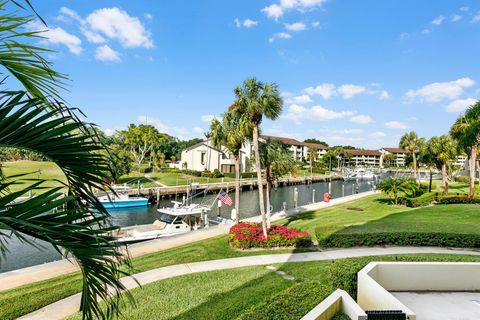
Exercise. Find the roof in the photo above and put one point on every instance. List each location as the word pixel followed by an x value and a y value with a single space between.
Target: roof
pixel 204 142
pixel 396 150
pixel 294 142
pixel 289 141
pixel 362 152
pixel 315 146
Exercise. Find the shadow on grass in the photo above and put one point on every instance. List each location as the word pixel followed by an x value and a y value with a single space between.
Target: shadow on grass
pixel 309 215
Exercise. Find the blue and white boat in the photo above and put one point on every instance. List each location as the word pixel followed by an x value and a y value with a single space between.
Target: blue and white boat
pixel 122 199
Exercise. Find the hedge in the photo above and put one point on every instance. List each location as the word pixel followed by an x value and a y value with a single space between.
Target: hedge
pixel 458 199
pixel 345 240
pixel 423 200
pixel 244 175
pixel 462 179
pixel 341 316
pixel 292 303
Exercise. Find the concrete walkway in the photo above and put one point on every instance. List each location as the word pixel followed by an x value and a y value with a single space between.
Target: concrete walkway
pixel 70 305
pixel 19 277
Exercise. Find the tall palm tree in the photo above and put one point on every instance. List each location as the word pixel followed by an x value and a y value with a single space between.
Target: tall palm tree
pixel 277 160
pixel 37 119
pixel 312 155
pixel 232 132
pixel 443 150
pixel 258 99
pixel 412 142
pixel 466 130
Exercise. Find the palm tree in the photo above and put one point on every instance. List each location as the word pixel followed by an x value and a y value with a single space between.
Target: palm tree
pixel 466 130
pixel 258 99
pixel 232 132
pixel 396 188
pixel 443 150
pixel 312 155
pixel 411 142
pixel 277 160
pixel 38 120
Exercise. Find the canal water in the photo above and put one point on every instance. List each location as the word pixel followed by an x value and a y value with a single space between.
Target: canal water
pixel 21 255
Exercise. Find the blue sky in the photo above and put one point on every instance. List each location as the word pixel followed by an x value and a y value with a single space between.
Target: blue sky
pixel 359 72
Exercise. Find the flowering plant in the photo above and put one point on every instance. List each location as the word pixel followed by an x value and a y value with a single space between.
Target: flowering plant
pixel 250 235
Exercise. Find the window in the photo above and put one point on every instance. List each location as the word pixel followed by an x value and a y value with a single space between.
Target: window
pixel 202 157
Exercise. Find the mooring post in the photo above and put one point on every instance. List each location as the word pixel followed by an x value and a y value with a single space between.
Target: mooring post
pixel 330 187
pixel 295 197
pixel 313 195
pixel 158 197
pixel 343 190
pixel 219 206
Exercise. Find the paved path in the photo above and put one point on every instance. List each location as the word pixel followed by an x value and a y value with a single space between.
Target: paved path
pixel 19 277
pixel 70 305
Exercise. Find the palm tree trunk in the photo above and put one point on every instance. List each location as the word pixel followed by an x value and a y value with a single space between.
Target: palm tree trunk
pixel 268 177
pixel 258 168
pixel 237 188
pixel 472 165
pixel 444 179
pixel 414 165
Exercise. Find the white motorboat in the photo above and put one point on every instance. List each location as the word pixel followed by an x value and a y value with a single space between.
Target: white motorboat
pixel 360 174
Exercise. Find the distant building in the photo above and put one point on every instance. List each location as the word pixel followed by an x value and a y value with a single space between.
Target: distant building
pixel 204 156
pixel 399 153
pixel 299 149
pixel 362 157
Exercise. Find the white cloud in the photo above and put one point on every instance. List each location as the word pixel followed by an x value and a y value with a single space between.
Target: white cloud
pixel 198 130
pixel 109 132
pixel 383 95
pixel 438 91
pixel 277 10
pixel 377 135
pixel 148 16
pixel 361 119
pixel 350 90
pixel 295 27
pixel 116 24
pixel 105 53
pixel 427 31
pixel 460 105
pixel 247 23
pixel 456 17
pixel 476 18
pixel 207 118
pixel 59 36
pixel 297 113
pixel 72 14
pixel 438 20
pixel 325 90
pixel 464 9
pixel 302 99
pixel 179 132
pixel 92 36
pixel 396 125
pixel 280 35
pixel 315 24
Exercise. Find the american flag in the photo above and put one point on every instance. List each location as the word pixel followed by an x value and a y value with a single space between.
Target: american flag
pixel 225 198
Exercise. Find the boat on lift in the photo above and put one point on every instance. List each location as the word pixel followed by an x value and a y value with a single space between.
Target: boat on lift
pixel 360 174
pixel 121 199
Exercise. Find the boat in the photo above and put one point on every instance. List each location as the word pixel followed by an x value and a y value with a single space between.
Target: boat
pixel 121 199
pixel 180 218
pixel 360 174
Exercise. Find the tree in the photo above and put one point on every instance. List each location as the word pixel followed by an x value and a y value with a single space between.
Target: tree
pixel 396 188
pixel 38 120
pixel 140 141
pixel 412 143
pixel 258 99
pixel 389 159
pixel 312 155
pixel 466 131
pixel 277 160
pixel 316 141
pixel 232 132
pixel 443 150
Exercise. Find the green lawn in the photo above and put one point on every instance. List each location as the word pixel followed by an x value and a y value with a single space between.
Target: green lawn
pixel 33 296
pixel 243 292
pixel 33 170
pixel 167 178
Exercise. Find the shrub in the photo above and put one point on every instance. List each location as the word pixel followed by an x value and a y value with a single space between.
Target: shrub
pixel 341 316
pixel 292 303
pixel 217 174
pixel 244 175
pixel 344 240
pixel 145 169
pixel 207 174
pixel 250 235
pixel 423 200
pixel 192 173
pixel 398 188
pixel 458 199
pixel 462 179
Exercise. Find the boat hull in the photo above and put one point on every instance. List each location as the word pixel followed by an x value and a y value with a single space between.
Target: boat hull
pixel 125 204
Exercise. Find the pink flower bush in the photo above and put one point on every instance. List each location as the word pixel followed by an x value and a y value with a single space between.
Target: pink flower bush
pixel 250 235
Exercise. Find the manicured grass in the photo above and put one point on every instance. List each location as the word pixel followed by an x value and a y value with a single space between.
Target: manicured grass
pixel 33 170
pixel 245 292
pixel 31 297
pixel 341 216
pixel 167 179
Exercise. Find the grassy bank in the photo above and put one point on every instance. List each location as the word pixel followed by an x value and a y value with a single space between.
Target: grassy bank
pixel 255 292
pixel 31 297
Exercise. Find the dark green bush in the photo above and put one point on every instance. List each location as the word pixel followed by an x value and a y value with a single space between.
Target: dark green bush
pixel 244 175
pixel 458 199
pixel 341 316
pixel 345 240
pixel 217 174
pixel 423 200
pixel 192 173
pixel 462 179
pixel 292 303
pixel 207 174
pixel 145 169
